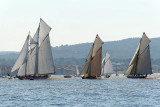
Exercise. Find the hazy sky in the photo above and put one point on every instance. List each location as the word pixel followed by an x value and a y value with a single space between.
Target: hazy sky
pixel 77 21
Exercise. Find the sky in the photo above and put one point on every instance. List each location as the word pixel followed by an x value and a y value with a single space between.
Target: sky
pixel 77 21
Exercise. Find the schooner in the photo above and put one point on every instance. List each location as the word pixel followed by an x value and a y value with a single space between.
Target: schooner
pixel 140 64
pixel 35 60
pixel 92 69
pixel 107 68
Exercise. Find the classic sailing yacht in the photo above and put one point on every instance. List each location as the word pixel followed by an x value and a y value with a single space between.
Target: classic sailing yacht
pixel 140 64
pixel 107 68
pixel 35 60
pixel 92 69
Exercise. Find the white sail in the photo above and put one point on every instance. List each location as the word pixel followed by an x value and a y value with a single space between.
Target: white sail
pixel 32 66
pixel 40 55
pixel 107 69
pixel 44 29
pixel 45 59
pixel 22 70
pixel 77 71
pixel 22 58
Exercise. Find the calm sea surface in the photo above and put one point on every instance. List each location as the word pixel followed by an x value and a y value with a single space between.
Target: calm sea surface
pixel 112 92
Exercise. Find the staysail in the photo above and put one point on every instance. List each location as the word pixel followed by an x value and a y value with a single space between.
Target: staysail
pixel 93 61
pixel 32 67
pixel 19 67
pixel 141 61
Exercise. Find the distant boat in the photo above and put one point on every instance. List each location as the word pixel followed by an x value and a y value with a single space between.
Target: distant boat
pixel 67 76
pixel 35 59
pixel 140 64
pixel 77 72
pixel 107 69
pixel 92 69
pixel 116 71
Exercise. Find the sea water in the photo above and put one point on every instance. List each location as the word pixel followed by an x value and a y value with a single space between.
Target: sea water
pixel 77 92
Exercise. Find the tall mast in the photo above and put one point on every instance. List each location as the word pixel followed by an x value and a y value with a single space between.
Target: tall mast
pixel 38 50
pixel 27 54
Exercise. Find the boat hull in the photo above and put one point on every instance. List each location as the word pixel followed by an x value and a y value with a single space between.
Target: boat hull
pixel 90 77
pixel 67 76
pixel 140 76
pixel 106 76
pixel 37 77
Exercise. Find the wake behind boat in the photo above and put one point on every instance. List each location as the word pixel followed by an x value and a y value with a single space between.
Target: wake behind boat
pixel 35 59
pixel 140 64
pixel 92 69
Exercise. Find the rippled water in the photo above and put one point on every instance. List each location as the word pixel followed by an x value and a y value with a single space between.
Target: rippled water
pixel 112 92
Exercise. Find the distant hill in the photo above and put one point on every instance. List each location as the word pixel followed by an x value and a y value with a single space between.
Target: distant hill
pixel 122 49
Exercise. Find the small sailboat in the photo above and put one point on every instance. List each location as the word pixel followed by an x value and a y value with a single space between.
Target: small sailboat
pixel 77 72
pixel 35 59
pixel 92 68
pixel 140 64
pixel 107 69
pixel 116 71
pixel 67 74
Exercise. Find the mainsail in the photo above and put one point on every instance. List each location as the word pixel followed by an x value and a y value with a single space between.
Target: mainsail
pixel 19 67
pixel 41 61
pixel 93 61
pixel 107 65
pixel 141 61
